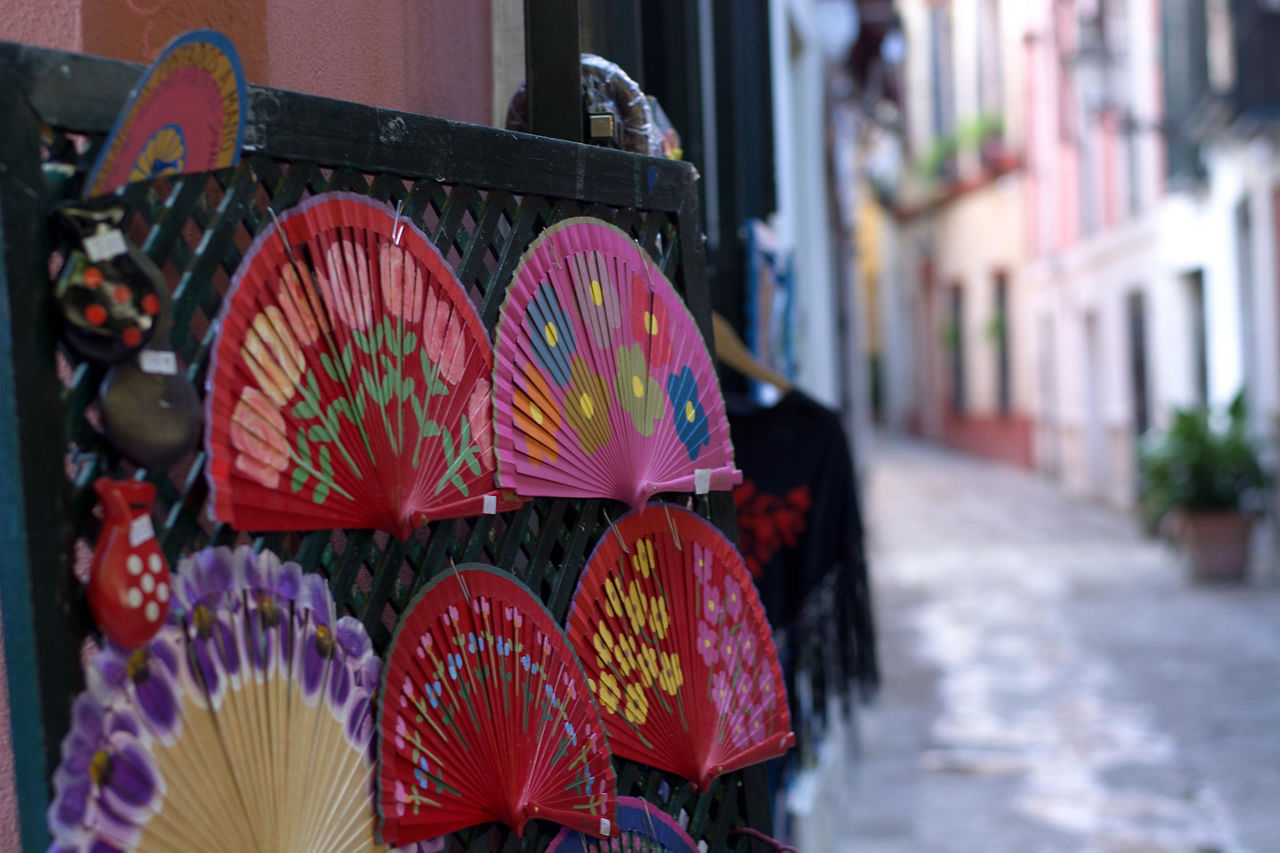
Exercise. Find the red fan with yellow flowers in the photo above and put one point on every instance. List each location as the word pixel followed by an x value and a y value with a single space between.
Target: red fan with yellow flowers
pixel 485 716
pixel 604 387
pixel 677 649
pixel 350 383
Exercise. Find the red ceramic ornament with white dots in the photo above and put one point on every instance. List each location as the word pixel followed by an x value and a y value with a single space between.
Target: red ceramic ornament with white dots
pixel 129 585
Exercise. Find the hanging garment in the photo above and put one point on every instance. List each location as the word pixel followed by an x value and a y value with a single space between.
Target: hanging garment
pixel 801 533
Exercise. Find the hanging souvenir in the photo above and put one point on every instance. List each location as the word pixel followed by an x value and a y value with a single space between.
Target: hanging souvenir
pixel 349 386
pixel 603 385
pixel 677 649
pixel 244 725
pixel 485 716
pixel 643 828
pixel 185 115
pixel 129 584
pixel 109 291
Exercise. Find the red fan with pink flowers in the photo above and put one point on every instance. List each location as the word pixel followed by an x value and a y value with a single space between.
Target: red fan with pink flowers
pixel 350 383
pixel 677 649
pixel 604 387
pixel 485 716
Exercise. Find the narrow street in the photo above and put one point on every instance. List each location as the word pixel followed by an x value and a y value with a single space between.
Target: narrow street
pixel 1052 681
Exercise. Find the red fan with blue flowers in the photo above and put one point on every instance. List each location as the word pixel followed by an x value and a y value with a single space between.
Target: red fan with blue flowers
pixel 677 649
pixel 603 386
pixel 485 716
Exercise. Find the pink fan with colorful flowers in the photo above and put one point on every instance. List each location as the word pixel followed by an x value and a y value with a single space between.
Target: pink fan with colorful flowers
pixel 350 382
pixel 603 386
pixel 677 649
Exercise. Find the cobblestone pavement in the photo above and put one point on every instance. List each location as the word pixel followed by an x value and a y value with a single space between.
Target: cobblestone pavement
pixel 1053 682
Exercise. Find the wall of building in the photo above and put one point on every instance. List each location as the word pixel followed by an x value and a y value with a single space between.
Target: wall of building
pixel 431 57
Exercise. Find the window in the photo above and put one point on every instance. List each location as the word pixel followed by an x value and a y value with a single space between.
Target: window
pixel 941 69
pixel 990 59
pixel 1000 335
pixel 1193 288
pixel 955 347
pixel 1136 309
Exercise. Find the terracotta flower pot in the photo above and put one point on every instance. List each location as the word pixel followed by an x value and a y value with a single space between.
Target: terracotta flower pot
pixel 1217 543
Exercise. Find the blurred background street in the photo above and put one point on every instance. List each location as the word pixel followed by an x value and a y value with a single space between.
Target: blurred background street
pixel 1052 683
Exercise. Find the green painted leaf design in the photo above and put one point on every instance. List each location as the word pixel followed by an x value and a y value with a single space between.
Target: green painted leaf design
pixel 321 492
pixel 326 464
pixel 410 342
pixel 304 410
pixel 328 365
pixel 318 433
pixel 406 388
pixel 304 449
pixel 299 478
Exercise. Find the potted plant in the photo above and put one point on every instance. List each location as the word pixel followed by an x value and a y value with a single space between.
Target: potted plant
pixel 1203 476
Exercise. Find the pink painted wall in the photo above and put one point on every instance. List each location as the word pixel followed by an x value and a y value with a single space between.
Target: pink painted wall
pixel 424 56
pixel 432 57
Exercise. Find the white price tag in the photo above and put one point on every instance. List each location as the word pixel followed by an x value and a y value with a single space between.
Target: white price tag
pixel 158 361
pixel 105 245
pixel 605 827
pixel 702 480
pixel 490 504
pixel 140 530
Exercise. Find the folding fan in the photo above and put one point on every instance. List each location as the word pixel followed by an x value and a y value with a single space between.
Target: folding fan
pixel 350 383
pixel 644 828
pixel 677 649
pixel 485 716
pixel 244 725
pixel 185 115
pixel 603 386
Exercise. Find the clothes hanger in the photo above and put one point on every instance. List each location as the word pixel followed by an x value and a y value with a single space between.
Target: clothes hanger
pixel 733 353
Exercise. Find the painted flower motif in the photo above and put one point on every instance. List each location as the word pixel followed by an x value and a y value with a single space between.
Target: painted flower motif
pixel 444 337
pixel 732 598
pixel 636 709
pixel 659 620
pixel 537 416
pixel 638 392
pixel 755 728
pixel 165 153
pixel 400 282
pixel 453 661
pixel 708 643
pixel 636 604
pixel 420 773
pixel 596 297
pixel 475 642
pixel 738 728
pixel 343 279
pixel 550 333
pixel 670 673
pixel 568 730
pixel 586 406
pixel 642 559
pixel 650 323
pixel 480 414
pixel 603 644
pixel 502 645
pixel 702 563
pixel 687 413
pixel 711 605
pixel 296 295
pixel 432 690
pixel 720 690
pixel 768 698
pixel 511 614
pixel 613 597
pixel 608 694
pixel 647 664
pixel 747 648
pixel 626 654
pixel 258 436
pixel 272 355
pixel 728 646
